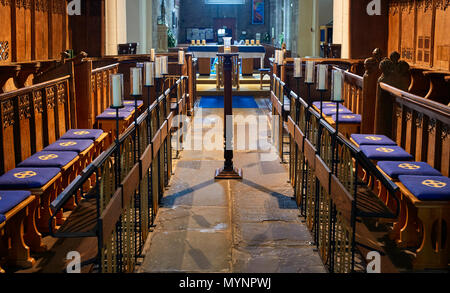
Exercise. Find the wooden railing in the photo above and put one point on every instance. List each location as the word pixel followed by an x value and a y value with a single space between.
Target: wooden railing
pixel 418 125
pixel 32 118
pixel 130 178
pixel 92 90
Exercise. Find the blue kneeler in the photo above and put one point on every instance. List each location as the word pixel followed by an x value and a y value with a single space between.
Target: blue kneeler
pixel 9 199
pixel 110 114
pixel 27 178
pixel 332 111
pixel 427 188
pixel 49 159
pixel 347 118
pixel 372 139
pixel 92 134
pixel 385 153
pixel 130 103
pixel 76 145
pixel 327 105
pixel 395 169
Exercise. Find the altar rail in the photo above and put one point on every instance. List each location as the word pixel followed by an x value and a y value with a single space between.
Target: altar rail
pixel 418 125
pixel 32 118
pixel 114 217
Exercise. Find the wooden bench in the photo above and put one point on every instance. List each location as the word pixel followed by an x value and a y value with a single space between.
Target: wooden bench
pixel 15 208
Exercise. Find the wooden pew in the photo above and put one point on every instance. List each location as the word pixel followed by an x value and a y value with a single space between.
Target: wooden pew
pixel 86 230
pixel 418 125
pixel 32 118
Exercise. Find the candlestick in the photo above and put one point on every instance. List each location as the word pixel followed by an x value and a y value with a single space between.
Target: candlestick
pixel 298 67
pixel 309 72
pixel 247 42
pixel 149 73
pixel 337 84
pixel 252 42
pixel 181 57
pixel 164 65
pixel 158 67
pixel 322 77
pixel 136 81
pixel 116 81
pixel 152 55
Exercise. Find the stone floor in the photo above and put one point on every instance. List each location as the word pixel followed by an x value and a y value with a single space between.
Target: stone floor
pixel 229 226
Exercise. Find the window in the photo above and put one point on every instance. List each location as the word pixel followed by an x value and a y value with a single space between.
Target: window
pixel 224 1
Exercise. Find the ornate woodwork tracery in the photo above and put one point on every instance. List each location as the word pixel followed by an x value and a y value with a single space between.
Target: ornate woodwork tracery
pixel 26 4
pixel 442 4
pixel 61 93
pixel 37 101
pixel 5 2
pixel 41 5
pixel 7 112
pixel 24 107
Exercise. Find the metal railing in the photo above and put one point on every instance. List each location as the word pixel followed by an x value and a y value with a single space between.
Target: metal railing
pixel 333 182
pixel 119 193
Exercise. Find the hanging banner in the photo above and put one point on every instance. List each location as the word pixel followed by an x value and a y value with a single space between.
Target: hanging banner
pixel 258 12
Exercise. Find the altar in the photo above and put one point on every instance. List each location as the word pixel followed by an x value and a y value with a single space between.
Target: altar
pixel 247 53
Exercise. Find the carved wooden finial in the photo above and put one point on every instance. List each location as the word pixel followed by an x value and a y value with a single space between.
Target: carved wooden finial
pixel 377 54
pixel 395 72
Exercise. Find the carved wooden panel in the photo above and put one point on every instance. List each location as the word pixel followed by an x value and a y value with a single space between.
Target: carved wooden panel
pixel 442 40
pixel 408 33
pixel 57 28
pixel 49 114
pixel 41 29
pixel 5 31
pixel 7 133
pixel 25 126
pixel 38 121
pixel 394 27
pixel 23 31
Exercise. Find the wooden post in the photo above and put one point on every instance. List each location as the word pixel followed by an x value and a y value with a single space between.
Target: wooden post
pixel 228 171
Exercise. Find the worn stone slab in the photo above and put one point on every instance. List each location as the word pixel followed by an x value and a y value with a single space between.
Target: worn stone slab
pixel 188 251
pixel 193 218
pixel 276 233
pixel 276 260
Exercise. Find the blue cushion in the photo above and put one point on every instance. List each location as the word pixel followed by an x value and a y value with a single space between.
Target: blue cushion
pixel 2 218
pixel 385 153
pixel 110 114
pixel 10 199
pixel 372 139
pixel 49 159
pixel 326 104
pixel 83 134
pixel 395 169
pixel 427 187
pixel 347 118
pixel 129 103
pixel 27 178
pixel 67 145
pixel 332 111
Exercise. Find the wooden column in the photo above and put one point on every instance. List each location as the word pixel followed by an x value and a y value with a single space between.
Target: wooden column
pixel 228 171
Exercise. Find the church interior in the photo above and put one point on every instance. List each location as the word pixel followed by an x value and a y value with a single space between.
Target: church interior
pixel 213 136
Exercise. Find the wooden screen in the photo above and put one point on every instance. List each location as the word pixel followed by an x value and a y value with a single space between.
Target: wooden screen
pixel 419 30
pixel 32 30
